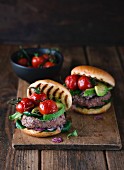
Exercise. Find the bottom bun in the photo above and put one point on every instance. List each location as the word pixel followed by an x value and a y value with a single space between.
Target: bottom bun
pixel 92 111
pixel 40 134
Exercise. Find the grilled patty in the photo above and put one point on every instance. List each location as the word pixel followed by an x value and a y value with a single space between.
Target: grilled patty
pixel 33 123
pixel 94 101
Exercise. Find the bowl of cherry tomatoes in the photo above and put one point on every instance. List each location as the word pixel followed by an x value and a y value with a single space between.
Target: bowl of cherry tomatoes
pixel 32 64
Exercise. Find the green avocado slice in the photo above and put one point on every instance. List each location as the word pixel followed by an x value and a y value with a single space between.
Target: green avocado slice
pixel 101 89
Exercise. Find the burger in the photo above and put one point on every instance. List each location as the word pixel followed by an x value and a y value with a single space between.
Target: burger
pixel 90 88
pixel 43 112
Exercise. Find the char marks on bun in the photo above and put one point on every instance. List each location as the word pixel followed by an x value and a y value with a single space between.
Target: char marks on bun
pixel 52 89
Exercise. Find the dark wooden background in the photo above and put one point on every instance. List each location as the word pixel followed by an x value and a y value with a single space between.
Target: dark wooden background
pixel 65 21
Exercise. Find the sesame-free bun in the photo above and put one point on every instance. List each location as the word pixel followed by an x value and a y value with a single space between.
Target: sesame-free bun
pixel 94 72
pixel 38 134
pixel 53 90
pixel 92 111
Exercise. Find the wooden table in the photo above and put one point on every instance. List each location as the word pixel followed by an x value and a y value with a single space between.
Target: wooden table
pixel 109 58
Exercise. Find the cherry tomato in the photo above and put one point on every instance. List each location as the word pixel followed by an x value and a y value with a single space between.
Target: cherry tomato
pixel 72 82
pixel 37 98
pixel 46 56
pixel 25 104
pixel 20 107
pixel 84 83
pixel 48 107
pixel 37 61
pixel 23 61
pixel 49 64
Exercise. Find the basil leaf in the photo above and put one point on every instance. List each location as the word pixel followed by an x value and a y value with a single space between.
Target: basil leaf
pixel 32 114
pixel 107 101
pixel 74 92
pixel 89 92
pixel 66 126
pixel 74 133
pixel 16 115
pixel 54 115
pixel 19 125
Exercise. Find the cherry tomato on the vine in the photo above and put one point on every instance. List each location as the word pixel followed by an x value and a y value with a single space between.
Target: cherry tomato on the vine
pixel 84 83
pixel 72 82
pixel 23 61
pixel 25 104
pixel 37 61
pixel 48 107
pixel 49 64
pixel 38 97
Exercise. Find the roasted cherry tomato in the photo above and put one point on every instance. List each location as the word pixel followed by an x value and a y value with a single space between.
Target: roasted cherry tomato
pixel 25 104
pixel 20 107
pixel 48 107
pixel 38 61
pixel 72 82
pixel 23 61
pixel 38 97
pixel 49 64
pixel 84 83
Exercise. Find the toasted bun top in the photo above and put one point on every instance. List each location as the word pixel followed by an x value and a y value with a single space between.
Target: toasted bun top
pixel 94 72
pixel 53 90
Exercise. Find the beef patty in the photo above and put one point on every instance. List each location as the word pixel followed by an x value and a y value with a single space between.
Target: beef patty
pixel 90 102
pixel 32 122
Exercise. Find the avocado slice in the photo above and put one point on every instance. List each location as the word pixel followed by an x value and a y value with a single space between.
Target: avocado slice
pixel 101 89
pixel 89 92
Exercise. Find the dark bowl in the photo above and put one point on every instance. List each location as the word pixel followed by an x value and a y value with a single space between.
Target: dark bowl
pixel 32 74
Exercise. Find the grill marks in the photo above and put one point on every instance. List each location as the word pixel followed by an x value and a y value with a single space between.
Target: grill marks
pixel 48 93
pixel 66 100
pixel 53 92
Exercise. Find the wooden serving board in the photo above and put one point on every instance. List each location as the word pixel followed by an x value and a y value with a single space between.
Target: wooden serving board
pixel 94 132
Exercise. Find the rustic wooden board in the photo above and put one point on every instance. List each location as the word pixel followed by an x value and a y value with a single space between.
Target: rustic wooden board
pixel 94 132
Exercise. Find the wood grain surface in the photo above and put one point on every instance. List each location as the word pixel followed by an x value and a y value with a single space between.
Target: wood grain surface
pixel 71 22
pixel 109 58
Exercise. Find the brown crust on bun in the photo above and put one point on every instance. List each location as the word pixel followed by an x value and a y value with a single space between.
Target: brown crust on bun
pixel 52 89
pixel 94 72
pixel 38 134
pixel 92 111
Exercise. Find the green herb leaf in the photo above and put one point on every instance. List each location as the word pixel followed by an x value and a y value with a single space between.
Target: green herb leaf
pixel 89 92
pixel 74 133
pixel 74 92
pixel 19 125
pixel 32 114
pixel 66 126
pixel 16 115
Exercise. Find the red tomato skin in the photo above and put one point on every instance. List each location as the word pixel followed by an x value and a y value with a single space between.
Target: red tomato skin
pixel 37 98
pixel 23 61
pixel 20 107
pixel 37 61
pixel 49 64
pixel 25 104
pixel 71 82
pixel 84 83
pixel 48 107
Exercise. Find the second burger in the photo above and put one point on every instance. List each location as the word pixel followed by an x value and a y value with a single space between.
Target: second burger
pixel 90 88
